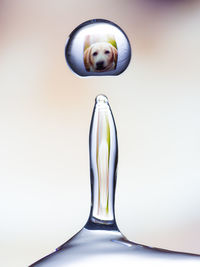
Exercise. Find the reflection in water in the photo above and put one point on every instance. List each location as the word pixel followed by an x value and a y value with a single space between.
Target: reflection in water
pixel 98 47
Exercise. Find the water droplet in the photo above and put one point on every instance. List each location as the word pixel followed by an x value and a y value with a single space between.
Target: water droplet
pixel 98 47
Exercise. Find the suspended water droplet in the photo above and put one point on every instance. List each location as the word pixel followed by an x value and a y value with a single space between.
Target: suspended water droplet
pixel 98 47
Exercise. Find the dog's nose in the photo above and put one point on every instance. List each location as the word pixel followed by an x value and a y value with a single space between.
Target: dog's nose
pixel 100 64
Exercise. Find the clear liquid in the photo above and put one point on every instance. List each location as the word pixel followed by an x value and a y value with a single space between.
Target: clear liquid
pixel 98 47
pixel 109 248
pixel 100 243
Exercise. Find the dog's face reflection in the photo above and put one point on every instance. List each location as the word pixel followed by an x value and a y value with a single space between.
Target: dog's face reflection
pixel 100 56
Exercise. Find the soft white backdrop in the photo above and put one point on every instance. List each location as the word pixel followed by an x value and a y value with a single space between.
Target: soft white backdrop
pixel 45 113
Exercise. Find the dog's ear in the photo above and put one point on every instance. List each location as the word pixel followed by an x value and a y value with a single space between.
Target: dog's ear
pixel 86 59
pixel 115 53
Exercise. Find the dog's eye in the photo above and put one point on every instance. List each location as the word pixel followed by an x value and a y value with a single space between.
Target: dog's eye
pixel 94 54
pixel 107 52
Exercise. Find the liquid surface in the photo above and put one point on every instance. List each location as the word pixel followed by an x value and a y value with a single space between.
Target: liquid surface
pixel 98 47
pixel 109 248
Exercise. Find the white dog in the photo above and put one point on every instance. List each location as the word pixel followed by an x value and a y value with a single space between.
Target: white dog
pixel 100 56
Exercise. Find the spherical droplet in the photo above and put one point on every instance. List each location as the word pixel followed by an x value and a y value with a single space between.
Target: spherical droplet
pixel 98 47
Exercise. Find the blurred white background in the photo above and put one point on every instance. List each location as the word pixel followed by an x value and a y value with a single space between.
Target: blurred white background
pixel 45 112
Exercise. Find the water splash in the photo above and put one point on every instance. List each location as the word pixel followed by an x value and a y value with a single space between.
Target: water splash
pixel 98 47
pixel 103 161
pixel 100 243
